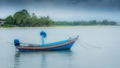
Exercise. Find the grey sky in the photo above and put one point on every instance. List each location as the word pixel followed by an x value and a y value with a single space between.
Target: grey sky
pixel 65 9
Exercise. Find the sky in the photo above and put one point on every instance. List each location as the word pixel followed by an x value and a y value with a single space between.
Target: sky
pixel 65 10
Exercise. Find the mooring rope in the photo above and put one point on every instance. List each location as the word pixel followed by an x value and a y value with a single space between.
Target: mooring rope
pixel 86 45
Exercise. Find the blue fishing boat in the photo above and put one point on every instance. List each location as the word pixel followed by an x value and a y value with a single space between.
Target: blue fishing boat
pixel 60 45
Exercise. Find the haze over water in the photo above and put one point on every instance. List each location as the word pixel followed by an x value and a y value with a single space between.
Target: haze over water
pixel 97 47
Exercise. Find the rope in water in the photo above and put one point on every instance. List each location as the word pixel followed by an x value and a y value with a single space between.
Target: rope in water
pixel 86 45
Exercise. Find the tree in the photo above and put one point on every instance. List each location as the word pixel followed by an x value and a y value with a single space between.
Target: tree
pixel 46 21
pixel 22 17
pixel 92 22
pixel 34 20
pixel 9 20
pixel 113 23
pixel 105 22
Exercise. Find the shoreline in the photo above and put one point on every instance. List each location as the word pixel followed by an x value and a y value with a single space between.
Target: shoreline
pixel 66 26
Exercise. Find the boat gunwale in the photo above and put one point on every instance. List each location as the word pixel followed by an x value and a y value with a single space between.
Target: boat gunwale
pixel 46 47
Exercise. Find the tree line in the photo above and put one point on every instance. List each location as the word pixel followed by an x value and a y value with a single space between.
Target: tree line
pixel 24 18
pixel 92 22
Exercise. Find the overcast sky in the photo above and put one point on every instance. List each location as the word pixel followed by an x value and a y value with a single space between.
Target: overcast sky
pixel 65 10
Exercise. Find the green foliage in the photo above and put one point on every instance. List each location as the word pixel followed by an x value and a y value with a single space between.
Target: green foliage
pixel 23 18
pixel 46 21
pixel 8 25
pixel 9 20
pixel 92 22
pixel 34 20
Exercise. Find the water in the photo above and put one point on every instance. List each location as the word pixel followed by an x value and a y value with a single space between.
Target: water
pixel 97 47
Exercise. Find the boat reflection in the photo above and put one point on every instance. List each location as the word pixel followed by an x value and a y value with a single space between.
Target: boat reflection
pixel 42 59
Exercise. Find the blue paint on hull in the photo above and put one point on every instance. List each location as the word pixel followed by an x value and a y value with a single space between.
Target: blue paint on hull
pixel 55 46
pixel 65 47
pixel 68 46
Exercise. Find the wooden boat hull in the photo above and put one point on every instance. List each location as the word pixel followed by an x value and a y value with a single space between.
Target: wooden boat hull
pixel 60 46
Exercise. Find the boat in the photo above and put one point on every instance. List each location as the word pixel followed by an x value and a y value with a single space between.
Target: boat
pixel 54 46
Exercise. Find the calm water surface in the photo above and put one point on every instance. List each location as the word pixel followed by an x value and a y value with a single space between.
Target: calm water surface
pixel 97 47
